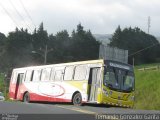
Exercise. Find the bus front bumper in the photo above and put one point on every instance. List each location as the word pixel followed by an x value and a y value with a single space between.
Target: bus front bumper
pixel 116 102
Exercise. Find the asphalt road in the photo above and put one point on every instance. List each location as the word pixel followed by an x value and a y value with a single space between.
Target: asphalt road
pixel 62 109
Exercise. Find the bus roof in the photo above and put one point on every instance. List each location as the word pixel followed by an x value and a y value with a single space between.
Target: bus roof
pixel 100 61
pixel 62 64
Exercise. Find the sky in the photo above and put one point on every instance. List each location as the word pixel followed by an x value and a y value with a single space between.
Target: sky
pixel 100 16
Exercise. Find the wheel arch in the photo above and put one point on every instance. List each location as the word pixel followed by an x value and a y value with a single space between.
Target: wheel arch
pixel 24 94
pixel 75 94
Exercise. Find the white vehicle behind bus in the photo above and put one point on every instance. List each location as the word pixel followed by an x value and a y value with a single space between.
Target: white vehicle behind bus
pixel 2 98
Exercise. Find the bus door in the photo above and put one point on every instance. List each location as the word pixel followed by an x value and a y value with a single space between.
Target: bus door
pixel 94 84
pixel 19 79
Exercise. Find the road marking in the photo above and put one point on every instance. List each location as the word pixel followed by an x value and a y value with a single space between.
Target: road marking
pixel 77 109
pixel 85 111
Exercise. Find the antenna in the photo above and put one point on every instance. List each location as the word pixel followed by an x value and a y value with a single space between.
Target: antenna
pixel 149 23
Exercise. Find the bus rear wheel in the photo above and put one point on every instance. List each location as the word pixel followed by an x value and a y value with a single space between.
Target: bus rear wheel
pixel 26 98
pixel 77 99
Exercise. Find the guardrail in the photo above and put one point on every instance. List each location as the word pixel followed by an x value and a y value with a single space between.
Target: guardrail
pixel 150 68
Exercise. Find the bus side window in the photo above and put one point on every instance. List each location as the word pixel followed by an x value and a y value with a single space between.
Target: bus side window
pixel 80 72
pixel 32 75
pixel 28 75
pixel 52 74
pixel 58 75
pixel 36 75
pixel 45 74
pixel 20 78
pixel 14 77
pixel 69 73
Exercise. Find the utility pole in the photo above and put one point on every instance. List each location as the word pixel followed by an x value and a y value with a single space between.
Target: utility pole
pixel 133 62
pixel 149 23
pixel 43 52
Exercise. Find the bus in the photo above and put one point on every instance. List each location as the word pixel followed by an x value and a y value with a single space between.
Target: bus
pixel 94 81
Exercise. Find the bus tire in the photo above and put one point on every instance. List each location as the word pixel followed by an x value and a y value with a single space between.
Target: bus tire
pixel 77 99
pixel 26 98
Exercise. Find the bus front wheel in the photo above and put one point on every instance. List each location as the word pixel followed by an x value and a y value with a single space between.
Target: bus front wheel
pixel 26 98
pixel 77 99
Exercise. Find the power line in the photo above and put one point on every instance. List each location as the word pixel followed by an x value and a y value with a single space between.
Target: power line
pixel 27 13
pixel 19 14
pixel 143 49
pixel 9 15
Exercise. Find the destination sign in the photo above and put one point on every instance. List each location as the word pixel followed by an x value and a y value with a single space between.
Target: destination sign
pixel 119 66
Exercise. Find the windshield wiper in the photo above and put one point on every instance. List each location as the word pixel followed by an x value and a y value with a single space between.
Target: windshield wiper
pixel 109 85
pixel 128 89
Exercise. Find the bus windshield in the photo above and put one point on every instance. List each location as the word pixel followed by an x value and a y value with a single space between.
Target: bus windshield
pixel 119 79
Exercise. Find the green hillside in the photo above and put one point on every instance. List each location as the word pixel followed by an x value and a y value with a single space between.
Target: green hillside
pixel 147 89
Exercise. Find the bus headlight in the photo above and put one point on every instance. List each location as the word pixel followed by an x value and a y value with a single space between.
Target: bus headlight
pixel 105 92
pixel 132 98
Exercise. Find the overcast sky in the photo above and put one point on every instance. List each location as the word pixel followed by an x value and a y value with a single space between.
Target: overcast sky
pixel 100 16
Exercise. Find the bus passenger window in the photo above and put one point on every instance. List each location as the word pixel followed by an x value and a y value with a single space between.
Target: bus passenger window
pixel 28 75
pixel 20 78
pixel 52 74
pixel 58 75
pixel 80 72
pixel 36 75
pixel 68 73
pixel 45 74
pixel 14 77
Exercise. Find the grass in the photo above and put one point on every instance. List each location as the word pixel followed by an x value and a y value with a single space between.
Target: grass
pixel 147 65
pixel 147 89
pixel 2 86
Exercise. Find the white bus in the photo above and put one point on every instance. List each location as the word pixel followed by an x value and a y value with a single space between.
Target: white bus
pixel 94 81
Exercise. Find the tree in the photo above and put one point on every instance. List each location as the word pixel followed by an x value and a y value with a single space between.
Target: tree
pixel 40 41
pixel 2 51
pixel 2 39
pixel 60 45
pixel 116 38
pixel 134 39
pixel 84 46
pixel 18 48
pixel 40 38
